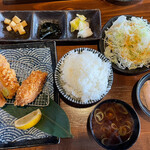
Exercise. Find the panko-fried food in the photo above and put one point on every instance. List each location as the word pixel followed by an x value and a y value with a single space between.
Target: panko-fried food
pixel 8 82
pixel 2 100
pixel 30 88
pixel 3 62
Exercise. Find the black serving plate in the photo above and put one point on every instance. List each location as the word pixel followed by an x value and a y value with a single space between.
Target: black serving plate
pixel 30 52
pixel 35 19
pixel 136 127
pixel 102 48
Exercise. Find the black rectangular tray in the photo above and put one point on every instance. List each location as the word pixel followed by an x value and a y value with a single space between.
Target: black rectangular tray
pixel 35 19
pixel 50 139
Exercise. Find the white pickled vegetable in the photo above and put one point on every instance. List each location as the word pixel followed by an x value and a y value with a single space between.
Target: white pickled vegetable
pixel 83 25
pixel 85 33
pixel 80 24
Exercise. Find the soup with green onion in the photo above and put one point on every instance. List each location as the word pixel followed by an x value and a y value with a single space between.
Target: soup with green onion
pixel 112 124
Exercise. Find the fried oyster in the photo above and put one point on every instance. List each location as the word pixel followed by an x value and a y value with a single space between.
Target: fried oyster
pixel 30 88
pixel 8 81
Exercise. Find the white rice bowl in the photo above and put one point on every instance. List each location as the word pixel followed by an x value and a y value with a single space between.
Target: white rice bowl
pixel 84 76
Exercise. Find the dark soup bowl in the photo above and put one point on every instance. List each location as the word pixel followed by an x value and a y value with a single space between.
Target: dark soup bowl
pixel 114 124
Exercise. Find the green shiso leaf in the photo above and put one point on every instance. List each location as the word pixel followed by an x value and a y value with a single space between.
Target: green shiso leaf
pixel 54 120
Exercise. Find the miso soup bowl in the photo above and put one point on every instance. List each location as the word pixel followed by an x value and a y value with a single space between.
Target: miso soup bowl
pixel 135 130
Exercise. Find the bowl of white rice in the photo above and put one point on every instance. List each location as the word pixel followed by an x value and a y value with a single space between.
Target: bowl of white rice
pixel 84 76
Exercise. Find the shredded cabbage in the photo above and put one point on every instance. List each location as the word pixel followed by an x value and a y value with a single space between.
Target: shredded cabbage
pixel 128 43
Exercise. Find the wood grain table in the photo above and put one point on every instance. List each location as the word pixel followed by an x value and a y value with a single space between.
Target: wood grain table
pixel 123 86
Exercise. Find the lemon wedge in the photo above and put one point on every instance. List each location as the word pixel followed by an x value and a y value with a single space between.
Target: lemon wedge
pixel 28 120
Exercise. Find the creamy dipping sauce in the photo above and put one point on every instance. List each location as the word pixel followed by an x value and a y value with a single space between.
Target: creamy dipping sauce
pixel 145 94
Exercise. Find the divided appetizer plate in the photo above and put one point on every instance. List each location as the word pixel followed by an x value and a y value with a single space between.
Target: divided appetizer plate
pixel 23 58
pixel 103 45
pixel 35 19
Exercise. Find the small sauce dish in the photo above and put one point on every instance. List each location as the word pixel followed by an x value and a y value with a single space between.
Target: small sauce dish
pixel 140 100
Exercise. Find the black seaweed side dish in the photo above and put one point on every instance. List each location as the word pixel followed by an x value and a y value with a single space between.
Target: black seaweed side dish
pixel 50 31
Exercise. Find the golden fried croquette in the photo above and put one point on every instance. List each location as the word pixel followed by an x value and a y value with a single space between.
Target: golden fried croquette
pixel 30 88
pixel 2 100
pixel 8 82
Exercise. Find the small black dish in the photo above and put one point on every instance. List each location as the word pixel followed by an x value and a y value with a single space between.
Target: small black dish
pixel 135 131
pixel 102 48
pixel 11 35
pixel 138 89
pixel 93 17
pixel 57 18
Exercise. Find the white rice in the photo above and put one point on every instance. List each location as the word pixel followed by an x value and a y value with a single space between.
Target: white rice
pixel 85 75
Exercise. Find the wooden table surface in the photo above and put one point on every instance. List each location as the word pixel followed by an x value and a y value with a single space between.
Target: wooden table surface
pixel 123 86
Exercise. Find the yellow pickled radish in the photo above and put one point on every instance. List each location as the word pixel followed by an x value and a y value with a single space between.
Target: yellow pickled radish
pixel 75 24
